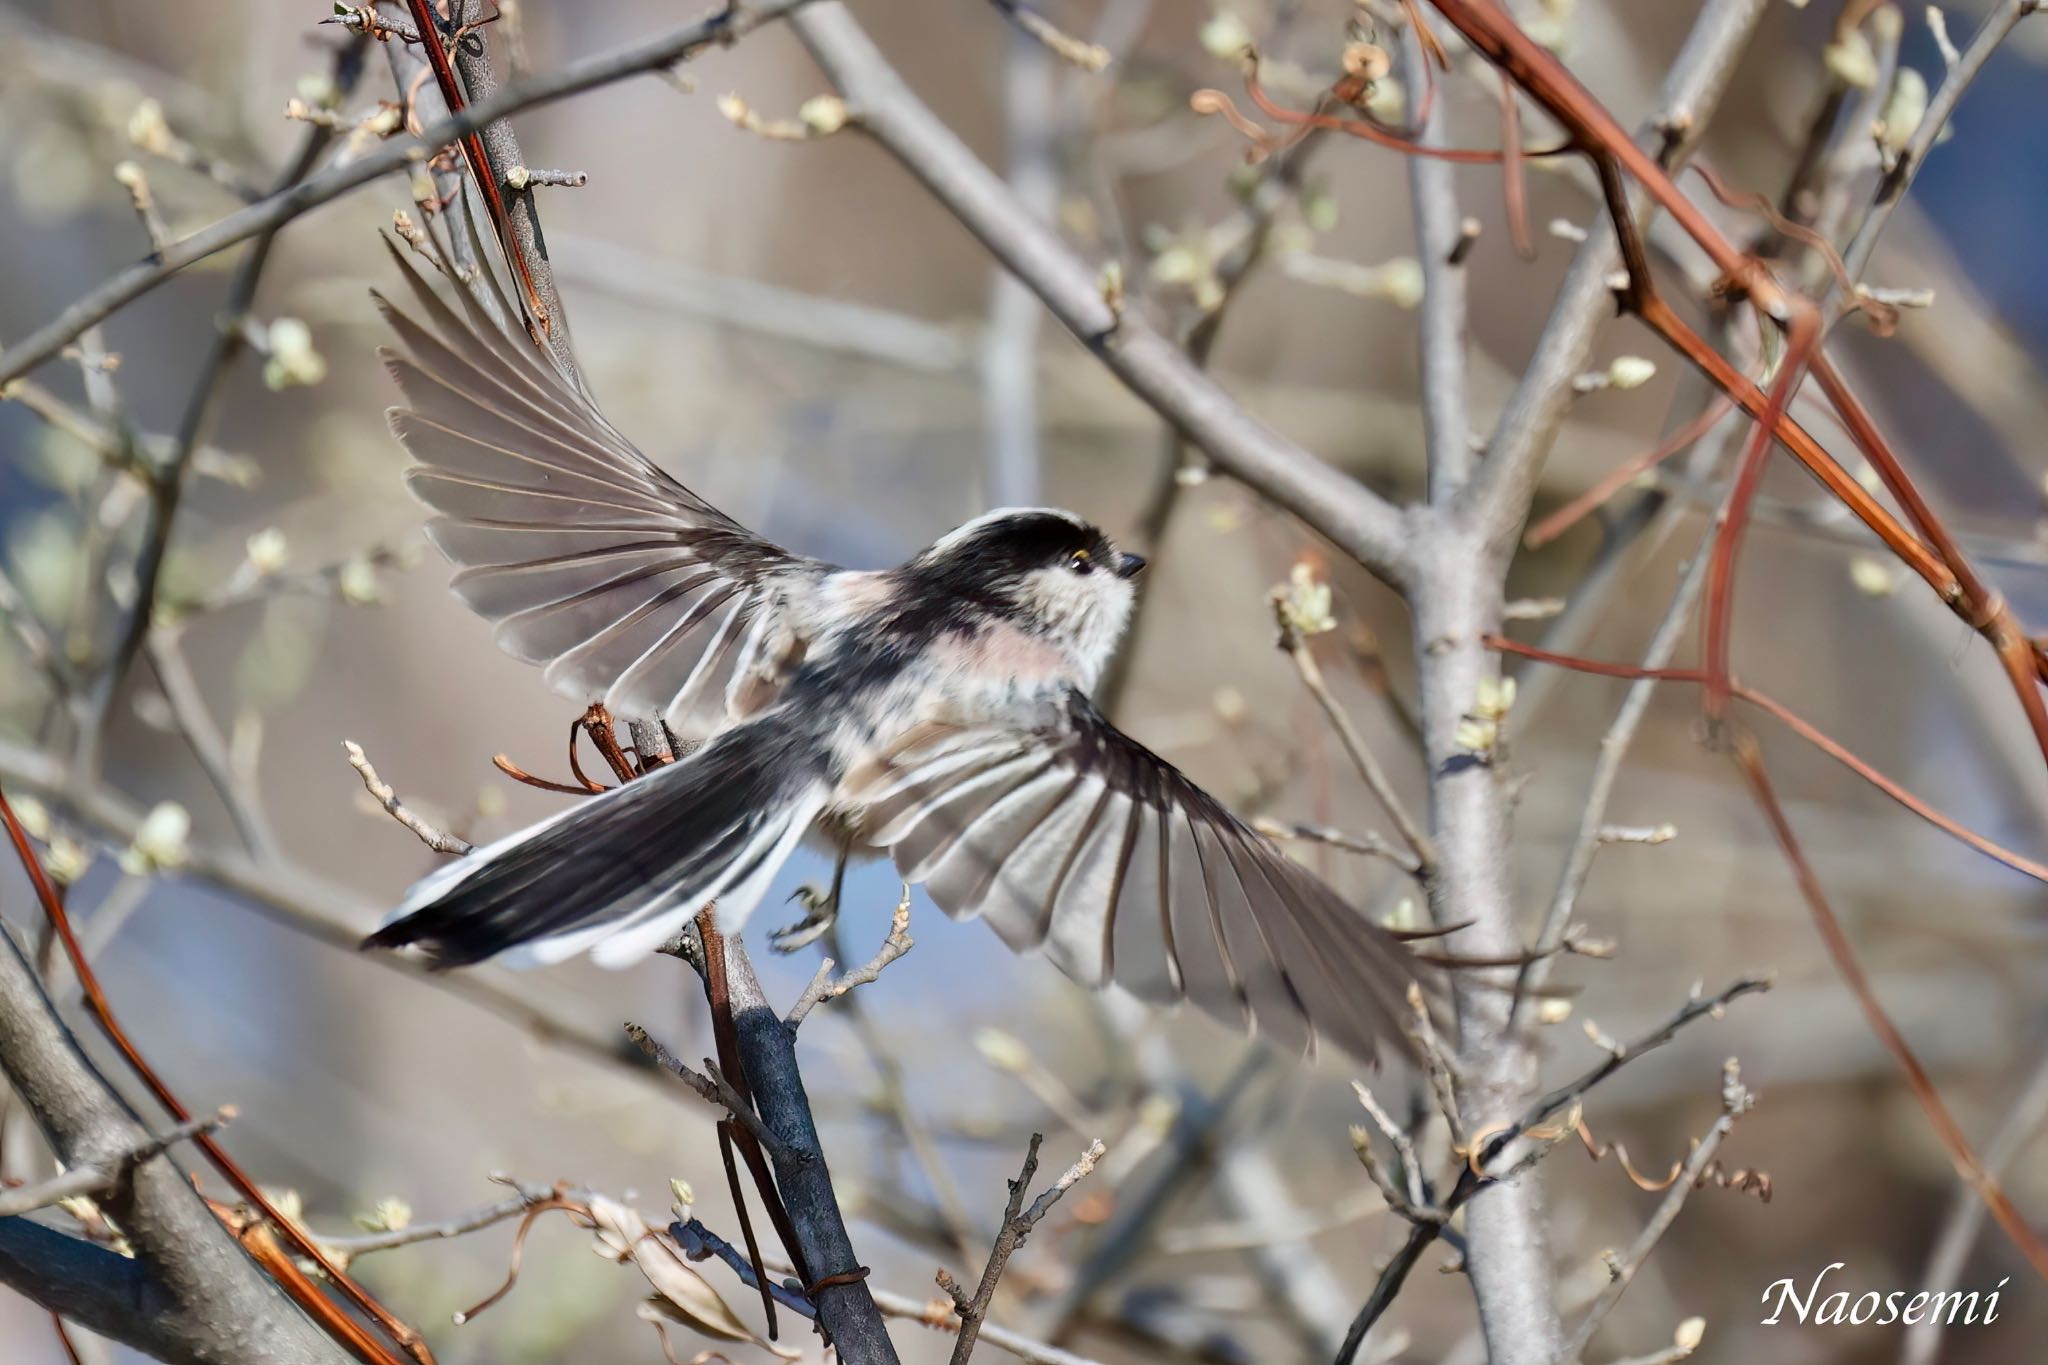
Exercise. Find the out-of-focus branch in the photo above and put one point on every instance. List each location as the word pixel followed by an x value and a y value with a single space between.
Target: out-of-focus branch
pixel 939 1315
pixel 654 54
pixel 815 320
pixel 168 476
pixel 2021 1126
pixel 190 1294
pixel 189 712
pixel 1157 371
pixel 1009 352
pixel 1294 644
pixel 1440 243
pixel 1998 25
pixel 1614 746
pixel 306 904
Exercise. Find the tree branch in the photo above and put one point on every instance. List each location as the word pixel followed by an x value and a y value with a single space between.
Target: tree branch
pixel 1499 493
pixel 1364 525
pixel 98 1177
pixel 190 1294
pixel 653 54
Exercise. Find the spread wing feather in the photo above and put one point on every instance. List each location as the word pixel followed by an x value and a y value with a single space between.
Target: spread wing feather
pixel 1076 840
pixel 589 560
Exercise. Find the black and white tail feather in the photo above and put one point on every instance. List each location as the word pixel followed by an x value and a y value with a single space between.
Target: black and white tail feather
pixel 936 711
pixel 618 874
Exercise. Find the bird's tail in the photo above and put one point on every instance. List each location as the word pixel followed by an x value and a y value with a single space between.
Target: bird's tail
pixel 619 873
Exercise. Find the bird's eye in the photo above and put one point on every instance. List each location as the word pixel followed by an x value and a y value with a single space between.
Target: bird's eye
pixel 1079 562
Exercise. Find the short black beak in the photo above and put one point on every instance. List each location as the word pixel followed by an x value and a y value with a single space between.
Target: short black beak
pixel 1129 566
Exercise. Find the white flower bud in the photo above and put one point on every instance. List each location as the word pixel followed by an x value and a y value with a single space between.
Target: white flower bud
pixel 1225 35
pixel 1630 372
pixel 267 550
pixel 159 841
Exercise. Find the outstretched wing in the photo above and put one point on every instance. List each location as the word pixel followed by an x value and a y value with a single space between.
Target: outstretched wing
pixel 1078 840
pixel 628 587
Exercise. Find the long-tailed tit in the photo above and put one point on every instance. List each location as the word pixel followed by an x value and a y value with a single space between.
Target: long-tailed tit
pixel 938 711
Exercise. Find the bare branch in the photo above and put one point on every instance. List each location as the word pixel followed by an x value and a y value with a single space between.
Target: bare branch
pixel 1736 1101
pixel 1441 244
pixel 1998 25
pixel 1364 525
pixel 1090 57
pixel 96 1178
pixel 268 214
pixel 190 1294
pixel 1294 644
pixel 712 1086
pixel 1614 746
pixel 1017 1224
pixel 824 987
pixel 381 792
pixel 1499 493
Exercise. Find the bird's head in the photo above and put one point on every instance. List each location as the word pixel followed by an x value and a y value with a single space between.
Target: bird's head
pixel 1051 572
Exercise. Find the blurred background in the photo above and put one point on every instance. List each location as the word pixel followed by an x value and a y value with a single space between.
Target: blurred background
pixel 794 329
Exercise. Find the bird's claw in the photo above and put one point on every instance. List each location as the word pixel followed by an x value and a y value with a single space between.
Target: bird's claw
pixel 821 911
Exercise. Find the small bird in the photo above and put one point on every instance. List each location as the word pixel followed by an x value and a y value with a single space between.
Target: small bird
pixel 938 711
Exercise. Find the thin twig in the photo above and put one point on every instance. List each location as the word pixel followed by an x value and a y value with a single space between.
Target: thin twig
pixel 1295 645
pixel 1490 1144
pixel 381 792
pixel 350 1247
pixel 1370 844
pixel 167 479
pixel 1160 373
pixel 1997 26
pixel 1736 1100
pixel 1409 1203
pixel 654 54
pixel 2019 1128
pixel 99 1176
pixel 1090 57
pixel 824 986
pixel 940 1315
pixel 712 1085
pixel 1017 1224
pixel 1614 746
pixel 1961 1155
pixel 308 1295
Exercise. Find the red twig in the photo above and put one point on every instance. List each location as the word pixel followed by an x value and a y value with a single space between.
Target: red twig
pixel 303 1290
pixel 1965 1160
pixel 1597 133
pixel 1803 337
pixel 1514 184
pixel 1569 515
pixel 479 160
pixel 1804 728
